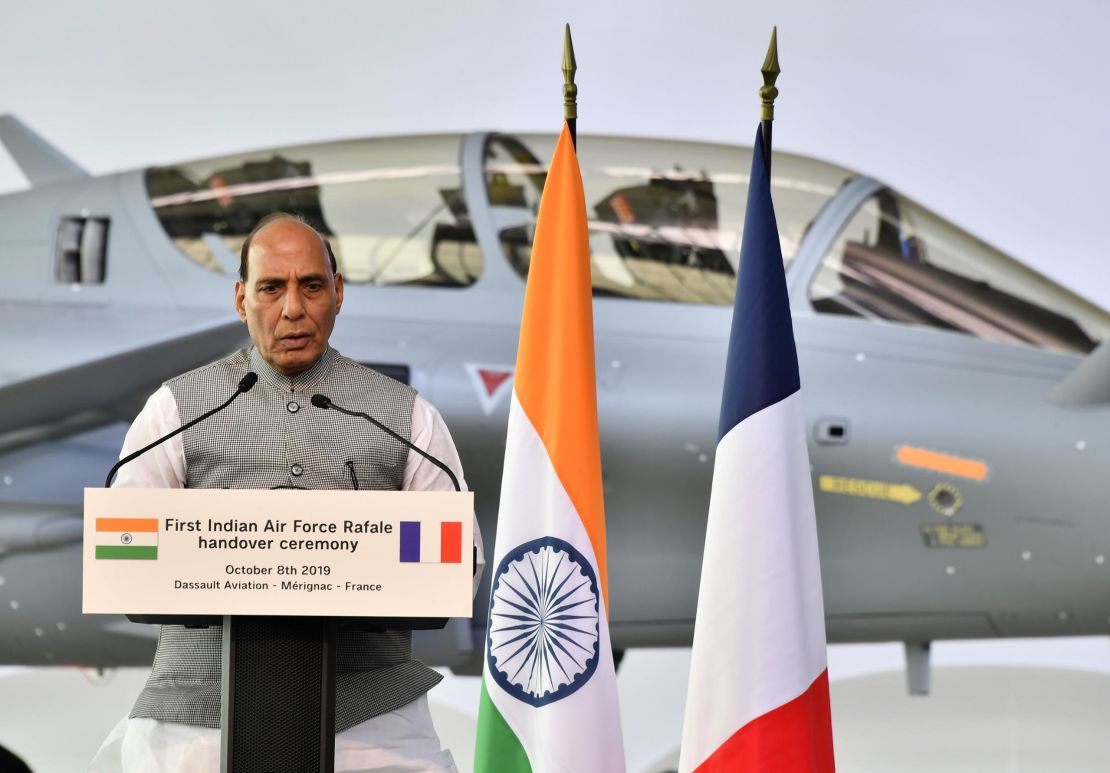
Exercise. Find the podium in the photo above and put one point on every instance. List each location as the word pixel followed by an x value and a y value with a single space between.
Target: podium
pixel 282 571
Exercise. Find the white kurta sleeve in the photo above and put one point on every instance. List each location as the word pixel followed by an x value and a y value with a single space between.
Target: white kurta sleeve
pixel 428 431
pixel 160 467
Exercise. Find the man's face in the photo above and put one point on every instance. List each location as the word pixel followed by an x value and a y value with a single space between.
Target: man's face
pixel 290 297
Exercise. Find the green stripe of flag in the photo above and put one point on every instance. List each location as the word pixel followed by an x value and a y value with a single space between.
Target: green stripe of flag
pixel 142 552
pixel 497 749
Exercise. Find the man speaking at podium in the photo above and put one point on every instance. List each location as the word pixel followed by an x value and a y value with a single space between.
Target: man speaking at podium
pixel 289 293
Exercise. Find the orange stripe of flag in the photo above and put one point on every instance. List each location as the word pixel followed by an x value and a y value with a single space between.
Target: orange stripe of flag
pixel 127 524
pixel 952 465
pixel 555 381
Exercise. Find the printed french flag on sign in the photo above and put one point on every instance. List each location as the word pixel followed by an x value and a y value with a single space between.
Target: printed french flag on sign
pixel 431 543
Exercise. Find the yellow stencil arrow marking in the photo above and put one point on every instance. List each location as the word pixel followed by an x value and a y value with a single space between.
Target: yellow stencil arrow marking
pixel 870 489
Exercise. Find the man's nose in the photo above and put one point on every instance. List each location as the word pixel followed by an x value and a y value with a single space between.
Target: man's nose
pixel 294 306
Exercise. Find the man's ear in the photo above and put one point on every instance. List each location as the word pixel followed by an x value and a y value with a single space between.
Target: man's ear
pixel 338 292
pixel 240 299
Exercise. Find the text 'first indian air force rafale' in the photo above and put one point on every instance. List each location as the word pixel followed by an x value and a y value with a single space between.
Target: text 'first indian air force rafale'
pixel 957 402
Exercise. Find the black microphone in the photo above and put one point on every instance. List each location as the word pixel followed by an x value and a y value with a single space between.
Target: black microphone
pixel 320 401
pixel 245 384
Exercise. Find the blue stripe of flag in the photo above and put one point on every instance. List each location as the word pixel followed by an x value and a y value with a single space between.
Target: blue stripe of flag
pixel 410 541
pixel 762 366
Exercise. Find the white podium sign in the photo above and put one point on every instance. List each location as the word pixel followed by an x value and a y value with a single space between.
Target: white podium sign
pixel 279 552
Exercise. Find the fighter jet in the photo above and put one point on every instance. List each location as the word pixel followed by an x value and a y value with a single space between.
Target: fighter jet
pixel 957 402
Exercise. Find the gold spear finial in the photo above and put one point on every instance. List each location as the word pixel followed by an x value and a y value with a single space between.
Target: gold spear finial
pixel 570 91
pixel 771 72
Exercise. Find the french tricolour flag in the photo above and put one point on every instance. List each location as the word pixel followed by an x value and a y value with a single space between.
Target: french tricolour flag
pixel 759 690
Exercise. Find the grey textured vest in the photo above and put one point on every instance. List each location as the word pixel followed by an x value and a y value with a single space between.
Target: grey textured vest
pixel 273 436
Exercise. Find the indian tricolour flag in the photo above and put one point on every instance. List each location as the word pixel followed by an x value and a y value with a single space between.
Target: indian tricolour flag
pixel 127 538
pixel 549 696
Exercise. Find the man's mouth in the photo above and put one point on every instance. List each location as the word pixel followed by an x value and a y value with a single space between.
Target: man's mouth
pixel 295 339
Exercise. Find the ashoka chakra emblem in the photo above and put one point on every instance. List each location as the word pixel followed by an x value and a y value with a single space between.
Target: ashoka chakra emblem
pixel 542 643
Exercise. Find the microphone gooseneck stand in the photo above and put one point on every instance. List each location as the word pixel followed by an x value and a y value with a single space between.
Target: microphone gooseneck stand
pixel 321 401
pixel 245 385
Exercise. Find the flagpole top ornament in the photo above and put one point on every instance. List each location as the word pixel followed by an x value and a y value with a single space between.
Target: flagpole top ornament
pixel 570 91
pixel 771 72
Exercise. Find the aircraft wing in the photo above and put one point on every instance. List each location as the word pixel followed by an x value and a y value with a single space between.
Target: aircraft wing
pixel 112 378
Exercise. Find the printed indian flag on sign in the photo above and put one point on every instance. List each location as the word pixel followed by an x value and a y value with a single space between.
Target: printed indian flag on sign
pixel 549 696
pixel 127 538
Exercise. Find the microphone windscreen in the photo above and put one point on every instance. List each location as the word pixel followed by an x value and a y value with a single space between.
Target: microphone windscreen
pixel 321 402
pixel 248 381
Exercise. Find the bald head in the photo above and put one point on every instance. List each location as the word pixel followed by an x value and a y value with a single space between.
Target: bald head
pixel 272 220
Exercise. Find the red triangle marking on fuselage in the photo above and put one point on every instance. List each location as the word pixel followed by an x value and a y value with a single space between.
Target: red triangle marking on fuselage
pixel 493 379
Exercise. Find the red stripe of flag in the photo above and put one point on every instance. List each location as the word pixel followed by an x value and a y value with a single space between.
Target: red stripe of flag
pixel 450 540
pixel 797 736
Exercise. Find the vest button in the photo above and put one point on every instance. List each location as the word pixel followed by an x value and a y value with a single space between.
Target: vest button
pixel 292 407
pixel 296 470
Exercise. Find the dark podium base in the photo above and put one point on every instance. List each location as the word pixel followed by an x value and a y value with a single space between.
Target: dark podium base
pixel 278 695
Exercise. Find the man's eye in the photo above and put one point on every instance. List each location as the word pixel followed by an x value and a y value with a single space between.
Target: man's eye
pixel 314 286
pixel 268 289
